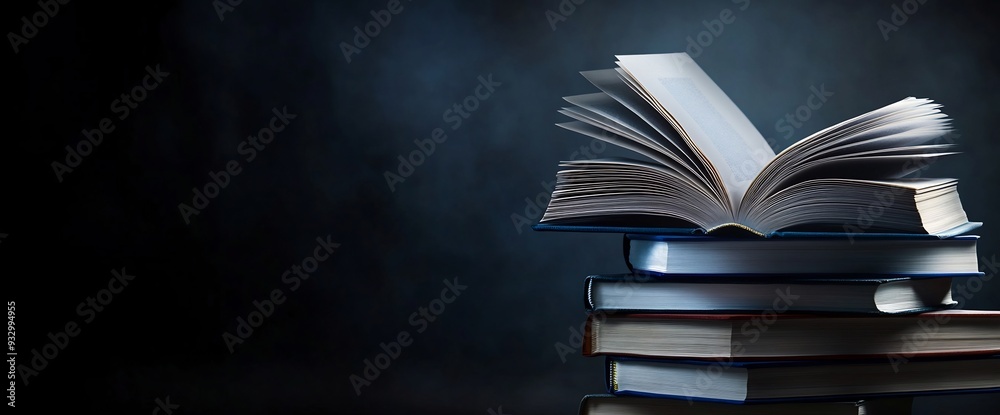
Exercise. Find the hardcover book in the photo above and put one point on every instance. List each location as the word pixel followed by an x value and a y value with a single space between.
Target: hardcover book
pixel 706 255
pixel 775 335
pixel 791 381
pixel 866 294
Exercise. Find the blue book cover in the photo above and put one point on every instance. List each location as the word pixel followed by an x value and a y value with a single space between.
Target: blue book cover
pixel 931 290
pixel 811 255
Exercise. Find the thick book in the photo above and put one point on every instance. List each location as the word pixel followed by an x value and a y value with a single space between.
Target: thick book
pixel 677 294
pixel 634 405
pixel 704 165
pixel 709 255
pixel 790 381
pixel 774 334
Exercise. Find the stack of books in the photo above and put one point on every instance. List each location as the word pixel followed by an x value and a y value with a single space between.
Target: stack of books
pixel 815 281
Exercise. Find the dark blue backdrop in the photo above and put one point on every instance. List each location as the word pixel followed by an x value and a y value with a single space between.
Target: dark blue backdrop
pixel 333 114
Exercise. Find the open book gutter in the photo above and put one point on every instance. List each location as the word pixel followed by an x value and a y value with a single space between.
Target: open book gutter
pixel 702 167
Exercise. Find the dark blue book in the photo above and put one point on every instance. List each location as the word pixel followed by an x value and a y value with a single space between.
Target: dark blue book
pixel 897 256
pixel 629 405
pixel 800 381
pixel 647 293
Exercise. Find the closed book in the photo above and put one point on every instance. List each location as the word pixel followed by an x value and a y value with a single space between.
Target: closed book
pixel 790 381
pixel 707 255
pixel 678 294
pixel 771 335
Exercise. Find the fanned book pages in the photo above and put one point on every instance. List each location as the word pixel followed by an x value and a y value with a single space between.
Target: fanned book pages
pixel 704 165
pixel 610 294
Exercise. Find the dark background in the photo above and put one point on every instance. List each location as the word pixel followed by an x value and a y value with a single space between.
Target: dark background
pixel 495 347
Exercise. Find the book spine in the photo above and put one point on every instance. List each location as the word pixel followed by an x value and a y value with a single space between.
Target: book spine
pixel 611 378
pixel 588 293
pixel 626 251
pixel 585 404
pixel 736 225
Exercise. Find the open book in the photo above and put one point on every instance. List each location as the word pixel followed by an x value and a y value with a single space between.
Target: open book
pixel 706 165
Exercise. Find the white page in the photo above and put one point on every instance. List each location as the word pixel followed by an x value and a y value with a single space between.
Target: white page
pixel 591 128
pixel 905 123
pixel 604 105
pixel 704 114
pixel 611 83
